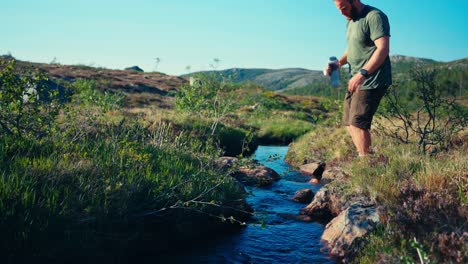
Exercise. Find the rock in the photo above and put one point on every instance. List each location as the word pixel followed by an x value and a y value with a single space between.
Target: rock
pixel 225 163
pixel 314 169
pixel 332 174
pixel 257 175
pixel 329 202
pixel 300 218
pixel 344 235
pixel 134 68
pixel 323 207
pixel 251 174
pixel 303 196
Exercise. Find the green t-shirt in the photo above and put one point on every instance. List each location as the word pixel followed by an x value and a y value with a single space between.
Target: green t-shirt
pixel 361 33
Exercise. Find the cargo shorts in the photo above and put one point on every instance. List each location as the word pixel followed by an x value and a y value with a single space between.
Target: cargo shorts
pixel 360 107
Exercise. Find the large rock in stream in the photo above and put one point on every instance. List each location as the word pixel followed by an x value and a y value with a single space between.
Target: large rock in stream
pixel 249 174
pixel 345 235
pixel 258 175
pixel 349 220
pixel 303 196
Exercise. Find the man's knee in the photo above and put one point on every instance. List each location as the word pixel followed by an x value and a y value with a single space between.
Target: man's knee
pixel 358 128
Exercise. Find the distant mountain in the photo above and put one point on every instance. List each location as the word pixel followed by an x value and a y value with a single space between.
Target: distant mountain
pixel 271 79
pixel 297 78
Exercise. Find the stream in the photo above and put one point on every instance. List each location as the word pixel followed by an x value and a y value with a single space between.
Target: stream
pixel 272 236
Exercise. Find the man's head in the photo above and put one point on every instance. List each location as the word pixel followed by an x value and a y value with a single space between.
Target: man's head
pixel 349 8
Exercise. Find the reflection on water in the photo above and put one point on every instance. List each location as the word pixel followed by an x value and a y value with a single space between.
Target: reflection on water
pixel 273 237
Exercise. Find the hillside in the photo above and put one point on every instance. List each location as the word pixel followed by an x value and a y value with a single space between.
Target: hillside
pixel 296 78
pixel 141 87
pixel 275 80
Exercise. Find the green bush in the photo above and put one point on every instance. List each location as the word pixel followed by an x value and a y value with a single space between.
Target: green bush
pixel 28 108
pixel 207 97
pixel 430 121
pixel 88 95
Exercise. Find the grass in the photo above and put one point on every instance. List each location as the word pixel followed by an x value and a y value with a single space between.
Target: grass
pixel 53 186
pixel 103 180
pixel 424 196
pixel 280 128
pixel 321 144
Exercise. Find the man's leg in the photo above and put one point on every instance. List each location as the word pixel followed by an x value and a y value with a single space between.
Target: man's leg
pixel 361 139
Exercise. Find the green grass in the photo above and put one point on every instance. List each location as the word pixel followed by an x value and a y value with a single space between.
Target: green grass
pixel 280 128
pixel 97 180
pixel 321 144
pixel 423 196
pixel 48 187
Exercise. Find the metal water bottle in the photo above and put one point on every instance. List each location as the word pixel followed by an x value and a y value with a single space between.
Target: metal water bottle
pixel 335 71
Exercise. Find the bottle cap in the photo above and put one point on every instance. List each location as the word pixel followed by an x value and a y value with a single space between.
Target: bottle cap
pixel 333 58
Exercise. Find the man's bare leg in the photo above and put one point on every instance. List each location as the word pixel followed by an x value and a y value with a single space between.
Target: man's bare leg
pixel 361 139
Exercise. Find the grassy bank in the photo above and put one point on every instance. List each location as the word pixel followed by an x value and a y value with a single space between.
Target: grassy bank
pixel 424 196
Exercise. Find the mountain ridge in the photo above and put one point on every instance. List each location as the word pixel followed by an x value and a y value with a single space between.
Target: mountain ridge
pixel 292 78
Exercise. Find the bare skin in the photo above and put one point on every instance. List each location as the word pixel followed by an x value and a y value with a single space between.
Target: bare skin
pixel 350 9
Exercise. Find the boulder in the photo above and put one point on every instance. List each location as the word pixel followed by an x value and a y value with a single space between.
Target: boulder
pixel 134 68
pixel 332 174
pixel 324 206
pixel 329 202
pixel 345 235
pixel 303 196
pixel 225 163
pixel 257 175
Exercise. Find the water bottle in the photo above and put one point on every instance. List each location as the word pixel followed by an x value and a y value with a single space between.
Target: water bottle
pixel 335 71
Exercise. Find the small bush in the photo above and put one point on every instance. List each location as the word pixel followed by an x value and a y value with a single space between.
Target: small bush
pixel 431 120
pixel 88 95
pixel 28 108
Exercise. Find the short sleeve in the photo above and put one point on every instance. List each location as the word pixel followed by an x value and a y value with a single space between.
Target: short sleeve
pixel 378 25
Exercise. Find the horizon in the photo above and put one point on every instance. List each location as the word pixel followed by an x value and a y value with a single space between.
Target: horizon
pixel 245 34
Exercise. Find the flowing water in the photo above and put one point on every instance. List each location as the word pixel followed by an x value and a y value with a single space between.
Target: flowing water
pixel 273 236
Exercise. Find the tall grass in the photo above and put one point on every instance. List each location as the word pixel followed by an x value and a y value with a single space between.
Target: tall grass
pixel 424 197
pixel 104 179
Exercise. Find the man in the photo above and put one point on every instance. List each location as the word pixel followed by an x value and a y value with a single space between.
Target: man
pixel 368 39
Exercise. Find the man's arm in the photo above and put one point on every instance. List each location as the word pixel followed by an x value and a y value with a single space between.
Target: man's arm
pixel 376 59
pixel 379 55
pixel 344 59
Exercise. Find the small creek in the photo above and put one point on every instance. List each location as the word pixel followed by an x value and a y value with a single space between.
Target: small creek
pixel 272 236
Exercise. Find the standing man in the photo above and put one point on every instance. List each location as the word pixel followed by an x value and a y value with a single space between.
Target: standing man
pixel 368 39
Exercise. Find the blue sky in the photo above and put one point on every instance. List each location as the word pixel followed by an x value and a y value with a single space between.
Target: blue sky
pixel 242 33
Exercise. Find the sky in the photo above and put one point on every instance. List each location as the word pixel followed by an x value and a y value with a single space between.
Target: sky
pixel 187 35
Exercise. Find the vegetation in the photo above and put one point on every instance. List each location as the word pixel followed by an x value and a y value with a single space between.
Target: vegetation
pixel 99 179
pixel 91 169
pixel 436 119
pixel 245 109
pixel 82 173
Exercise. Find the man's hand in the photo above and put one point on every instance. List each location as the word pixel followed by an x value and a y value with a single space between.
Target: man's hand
pixel 355 83
pixel 327 71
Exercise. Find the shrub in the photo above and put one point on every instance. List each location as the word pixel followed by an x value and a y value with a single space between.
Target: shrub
pixel 28 107
pixel 436 119
pixel 207 97
pixel 88 95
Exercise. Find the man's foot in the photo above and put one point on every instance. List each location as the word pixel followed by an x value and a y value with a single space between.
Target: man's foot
pixel 370 153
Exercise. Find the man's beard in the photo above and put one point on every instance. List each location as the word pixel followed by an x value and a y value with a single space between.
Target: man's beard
pixel 354 12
